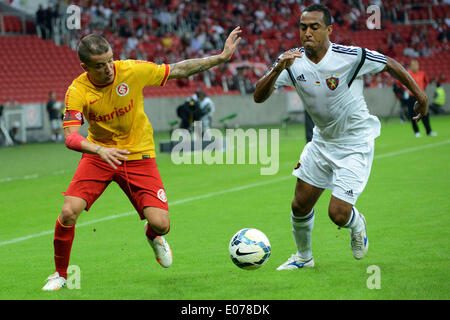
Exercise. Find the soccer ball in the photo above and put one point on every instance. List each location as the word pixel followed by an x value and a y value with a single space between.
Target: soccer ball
pixel 249 249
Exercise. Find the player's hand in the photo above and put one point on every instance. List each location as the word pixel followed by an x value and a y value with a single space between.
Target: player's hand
pixel 112 155
pixel 231 43
pixel 421 107
pixel 287 60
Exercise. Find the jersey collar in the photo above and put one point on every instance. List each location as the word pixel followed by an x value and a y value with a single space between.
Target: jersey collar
pixel 324 58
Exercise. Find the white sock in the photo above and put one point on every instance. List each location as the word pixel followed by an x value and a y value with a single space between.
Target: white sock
pixel 354 222
pixel 301 229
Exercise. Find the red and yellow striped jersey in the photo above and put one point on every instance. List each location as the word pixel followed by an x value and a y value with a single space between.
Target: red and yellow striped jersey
pixel 115 112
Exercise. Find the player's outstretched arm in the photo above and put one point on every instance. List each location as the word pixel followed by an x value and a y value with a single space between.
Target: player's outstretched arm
pixel 265 85
pixel 189 67
pixel 398 72
pixel 76 142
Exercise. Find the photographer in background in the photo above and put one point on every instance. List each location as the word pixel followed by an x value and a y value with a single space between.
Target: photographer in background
pixel 207 109
pixel 188 112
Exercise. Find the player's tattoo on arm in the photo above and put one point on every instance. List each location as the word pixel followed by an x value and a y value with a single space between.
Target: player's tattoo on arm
pixel 190 67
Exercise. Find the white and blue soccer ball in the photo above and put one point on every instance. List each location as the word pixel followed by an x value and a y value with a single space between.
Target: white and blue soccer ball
pixel 249 249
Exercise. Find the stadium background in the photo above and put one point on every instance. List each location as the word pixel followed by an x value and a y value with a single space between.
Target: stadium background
pixel 38 52
pixel 405 202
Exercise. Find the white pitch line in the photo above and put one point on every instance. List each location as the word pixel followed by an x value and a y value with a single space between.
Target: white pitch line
pixel 209 195
pixel 390 154
pixel 213 194
pixel 32 176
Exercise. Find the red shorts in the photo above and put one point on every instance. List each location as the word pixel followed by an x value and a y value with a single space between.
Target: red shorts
pixel 139 179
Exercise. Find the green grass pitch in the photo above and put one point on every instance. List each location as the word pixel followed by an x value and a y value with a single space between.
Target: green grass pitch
pixel 406 204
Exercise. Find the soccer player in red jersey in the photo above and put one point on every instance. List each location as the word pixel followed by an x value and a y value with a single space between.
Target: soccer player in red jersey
pixel 119 146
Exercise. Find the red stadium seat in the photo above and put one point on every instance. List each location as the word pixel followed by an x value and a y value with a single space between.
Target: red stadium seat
pixel 25 76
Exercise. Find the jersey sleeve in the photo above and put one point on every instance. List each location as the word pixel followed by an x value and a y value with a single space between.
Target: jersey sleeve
pixel 74 105
pixel 151 74
pixel 374 62
pixel 283 80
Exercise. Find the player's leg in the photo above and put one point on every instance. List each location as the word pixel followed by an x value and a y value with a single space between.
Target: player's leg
pixel 302 220
pixel 352 170
pixel 65 232
pixel 339 211
pixel 63 239
pixel 156 227
pixel 302 216
pixel 158 221
pixel 346 215
pixel 311 172
pixel 90 180
pixel 141 182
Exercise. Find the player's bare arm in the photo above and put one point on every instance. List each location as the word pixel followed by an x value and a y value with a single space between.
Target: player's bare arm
pixel 109 155
pixel 190 67
pixel 265 85
pixel 398 72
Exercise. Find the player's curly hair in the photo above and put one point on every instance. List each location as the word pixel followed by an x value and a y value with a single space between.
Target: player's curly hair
pixel 92 44
pixel 318 7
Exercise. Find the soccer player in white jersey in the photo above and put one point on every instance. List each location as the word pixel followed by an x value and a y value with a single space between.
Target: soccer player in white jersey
pixel 327 78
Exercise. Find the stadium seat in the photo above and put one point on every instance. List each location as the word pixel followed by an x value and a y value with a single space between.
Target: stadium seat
pixel 25 53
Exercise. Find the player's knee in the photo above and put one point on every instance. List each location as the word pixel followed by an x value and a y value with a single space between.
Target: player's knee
pixel 160 224
pixel 338 215
pixel 68 216
pixel 71 210
pixel 300 209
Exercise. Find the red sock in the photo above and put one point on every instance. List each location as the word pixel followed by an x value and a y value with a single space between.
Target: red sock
pixel 152 234
pixel 63 244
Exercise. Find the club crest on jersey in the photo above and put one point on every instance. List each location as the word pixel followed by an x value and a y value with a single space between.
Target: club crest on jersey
pixel 162 195
pixel 332 81
pixel 122 89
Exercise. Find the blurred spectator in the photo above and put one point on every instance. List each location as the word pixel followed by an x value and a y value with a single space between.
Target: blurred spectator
pixel 129 50
pixel 207 109
pixel 14 131
pixel 54 113
pixel 4 135
pixel 165 31
pixel 411 51
pixel 415 39
pixel 41 23
pixel 438 100
pixel 402 95
pixel 397 38
pixel 390 51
